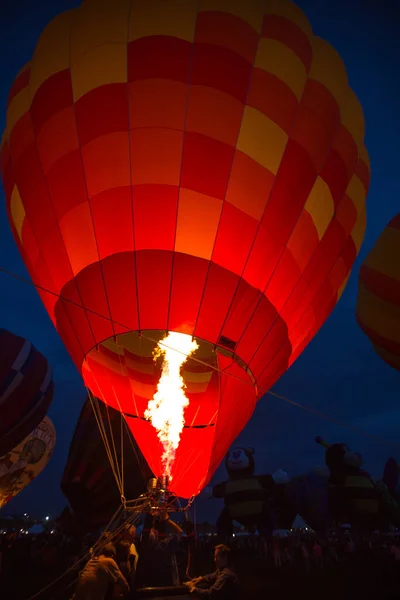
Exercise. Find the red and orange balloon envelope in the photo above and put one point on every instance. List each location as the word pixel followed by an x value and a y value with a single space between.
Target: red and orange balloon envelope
pixel 192 167
pixel 378 303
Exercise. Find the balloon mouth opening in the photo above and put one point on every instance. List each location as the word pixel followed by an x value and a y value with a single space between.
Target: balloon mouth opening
pixel 123 372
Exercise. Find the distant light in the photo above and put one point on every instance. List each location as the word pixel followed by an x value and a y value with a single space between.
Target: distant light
pixel 26 533
pixel 47 518
pixel 25 515
pixel 21 531
pixel 52 531
pixel 233 535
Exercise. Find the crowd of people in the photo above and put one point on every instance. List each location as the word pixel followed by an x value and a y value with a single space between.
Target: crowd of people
pixel 309 551
pixel 121 564
pixel 115 571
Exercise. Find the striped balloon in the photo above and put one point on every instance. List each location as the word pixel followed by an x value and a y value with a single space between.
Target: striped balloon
pixel 26 389
pixel 195 166
pixel 378 302
pixel 88 481
pixel 26 461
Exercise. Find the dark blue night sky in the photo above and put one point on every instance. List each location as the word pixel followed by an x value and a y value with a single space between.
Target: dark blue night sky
pixel 338 373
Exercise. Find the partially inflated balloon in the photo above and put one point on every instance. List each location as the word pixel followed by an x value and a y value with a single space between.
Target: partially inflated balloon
pixel 88 480
pixel 378 302
pixel 26 389
pixel 24 462
pixel 191 167
pixel 308 495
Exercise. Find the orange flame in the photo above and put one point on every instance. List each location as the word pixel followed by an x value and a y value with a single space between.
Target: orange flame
pixel 166 409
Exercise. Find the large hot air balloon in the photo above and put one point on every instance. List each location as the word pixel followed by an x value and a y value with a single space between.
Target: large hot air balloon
pixel 192 168
pixel 378 302
pixel 88 481
pixel 24 462
pixel 26 389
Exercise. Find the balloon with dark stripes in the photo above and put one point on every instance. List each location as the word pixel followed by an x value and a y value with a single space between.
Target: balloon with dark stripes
pixel 378 300
pixel 88 481
pixel 26 389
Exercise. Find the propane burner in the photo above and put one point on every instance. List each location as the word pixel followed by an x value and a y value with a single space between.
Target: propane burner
pixel 157 498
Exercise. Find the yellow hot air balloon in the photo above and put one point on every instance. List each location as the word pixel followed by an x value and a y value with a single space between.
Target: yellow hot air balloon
pixel 378 302
pixel 22 464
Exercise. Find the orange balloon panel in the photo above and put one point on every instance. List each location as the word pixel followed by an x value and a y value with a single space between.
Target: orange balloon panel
pixel 378 302
pixel 186 166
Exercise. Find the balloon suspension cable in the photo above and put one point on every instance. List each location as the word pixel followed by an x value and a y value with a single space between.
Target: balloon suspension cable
pixel 98 546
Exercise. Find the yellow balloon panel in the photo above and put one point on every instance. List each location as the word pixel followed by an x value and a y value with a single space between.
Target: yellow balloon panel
pixel 320 206
pixel 353 117
pixel 101 65
pixel 99 24
pixel 17 211
pixel 333 78
pixel 359 229
pixel 356 191
pixel 52 53
pixel 276 58
pixel 288 10
pixel 262 139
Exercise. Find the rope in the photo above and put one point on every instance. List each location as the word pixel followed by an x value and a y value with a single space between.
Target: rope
pixel 121 433
pixel 139 460
pixel 101 426
pixel 99 544
pixel 115 452
pixel 334 420
pixel 195 521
